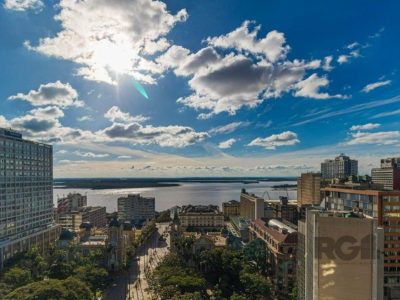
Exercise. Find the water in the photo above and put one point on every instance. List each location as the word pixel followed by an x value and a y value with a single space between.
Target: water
pixel 186 193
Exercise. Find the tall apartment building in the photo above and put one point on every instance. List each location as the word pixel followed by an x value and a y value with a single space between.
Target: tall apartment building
pixel 309 189
pixel 282 209
pixel 26 195
pixel 339 257
pixel 281 240
pixel 136 209
pixel 340 167
pixel 72 202
pixel 251 206
pixel 384 206
pixel 388 175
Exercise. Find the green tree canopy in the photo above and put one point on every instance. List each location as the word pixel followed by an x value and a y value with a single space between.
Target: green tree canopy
pixel 16 277
pixel 53 289
pixel 256 255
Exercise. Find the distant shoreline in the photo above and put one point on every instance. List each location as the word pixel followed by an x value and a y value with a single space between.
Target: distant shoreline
pixel 121 183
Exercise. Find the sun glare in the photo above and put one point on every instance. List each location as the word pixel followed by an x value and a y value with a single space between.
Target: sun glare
pixel 118 57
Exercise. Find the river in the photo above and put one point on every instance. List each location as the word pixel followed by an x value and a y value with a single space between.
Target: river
pixel 186 193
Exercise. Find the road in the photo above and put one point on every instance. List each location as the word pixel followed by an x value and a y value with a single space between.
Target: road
pixel 147 258
pixel 132 284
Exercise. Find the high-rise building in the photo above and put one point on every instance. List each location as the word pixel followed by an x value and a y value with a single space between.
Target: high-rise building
pixel 340 167
pixel 71 203
pixel 309 189
pixel 282 209
pixel 26 195
pixel 136 209
pixel 384 206
pixel 251 206
pixel 388 175
pixel 339 257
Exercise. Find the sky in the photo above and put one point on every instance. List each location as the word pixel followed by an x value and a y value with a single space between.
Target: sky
pixel 235 88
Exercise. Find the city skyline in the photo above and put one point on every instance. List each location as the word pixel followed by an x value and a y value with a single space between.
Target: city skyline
pixel 267 89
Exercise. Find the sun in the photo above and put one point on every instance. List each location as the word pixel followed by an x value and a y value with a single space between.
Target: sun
pixel 115 56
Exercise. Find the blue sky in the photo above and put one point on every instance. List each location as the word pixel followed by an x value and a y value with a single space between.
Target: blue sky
pixel 236 88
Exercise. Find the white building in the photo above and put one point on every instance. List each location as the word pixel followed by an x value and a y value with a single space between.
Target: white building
pixel 26 195
pixel 136 209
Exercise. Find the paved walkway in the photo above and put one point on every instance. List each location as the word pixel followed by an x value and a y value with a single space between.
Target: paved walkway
pixel 132 284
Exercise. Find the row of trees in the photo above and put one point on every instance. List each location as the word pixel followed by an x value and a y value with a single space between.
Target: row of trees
pixel 212 274
pixel 62 273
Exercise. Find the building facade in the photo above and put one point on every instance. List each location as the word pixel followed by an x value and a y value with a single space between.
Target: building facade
pixel 72 202
pixel 201 217
pixel 339 257
pixel 136 209
pixel 96 216
pixel 282 209
pixel 251 206
pixel 26 194
pixel 388 175
pixel 384 206
pixel 231 208
pixel 281 241
pixel 309 189
pixel 340 167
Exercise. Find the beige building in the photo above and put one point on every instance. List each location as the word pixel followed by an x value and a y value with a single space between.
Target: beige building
pixel 72 202
pixel 231 208
pixel 201 217
pixel 308 189
pixel 94 215
pixel 251 206
pixel 339 256
pixel 280 238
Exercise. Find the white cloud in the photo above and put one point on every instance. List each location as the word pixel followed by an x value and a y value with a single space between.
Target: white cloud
pixel 386 114
pixel 85 118
pixel 104 37
pixel 165 136
pixel 115 114
pixel 23 5
pixel 124 157
pixel 273 45
pixel 368 126
pixel 62 151
pixel 372 86
pixel 54 93
pixel 240 70
pixel 343 59
pixel 326 66
pixel 310 88
pixel 91 154
pixel 287 138
pixel 228 128
pixel 380 138
pixel 226 144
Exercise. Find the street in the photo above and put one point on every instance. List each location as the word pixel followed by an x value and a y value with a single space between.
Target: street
pixel 132 284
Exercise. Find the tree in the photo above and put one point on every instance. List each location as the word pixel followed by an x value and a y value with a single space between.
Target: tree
pixel 256 255
pixel 97 278
pixel 16 277
pixel 68 289
pixel 60 270
pixel 236 296
pixel 293 293
pixel 188 296
pixel 164 216
pixel 255 285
